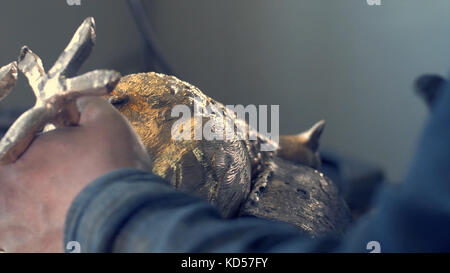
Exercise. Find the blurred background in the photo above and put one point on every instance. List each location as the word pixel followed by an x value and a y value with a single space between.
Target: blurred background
pixel 344 61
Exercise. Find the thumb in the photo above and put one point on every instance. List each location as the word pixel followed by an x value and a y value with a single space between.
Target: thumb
pixel 102 119
pixel 97 110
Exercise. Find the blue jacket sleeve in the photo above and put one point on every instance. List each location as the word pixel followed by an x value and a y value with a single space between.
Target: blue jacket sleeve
pixel 133 211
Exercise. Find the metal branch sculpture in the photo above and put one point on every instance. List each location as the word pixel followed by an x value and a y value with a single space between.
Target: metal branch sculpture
pixel 56 91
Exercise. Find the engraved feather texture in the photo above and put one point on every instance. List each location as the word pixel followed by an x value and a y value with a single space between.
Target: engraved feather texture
pixel 219 171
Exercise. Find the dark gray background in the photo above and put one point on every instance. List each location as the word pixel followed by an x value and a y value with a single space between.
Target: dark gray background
pixel 344 61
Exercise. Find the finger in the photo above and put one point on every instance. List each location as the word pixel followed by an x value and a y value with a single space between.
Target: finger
pixel 104 122
pixel 102 119
pixel 97 111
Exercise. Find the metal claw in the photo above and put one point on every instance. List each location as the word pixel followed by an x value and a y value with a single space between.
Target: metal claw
pixel 55 93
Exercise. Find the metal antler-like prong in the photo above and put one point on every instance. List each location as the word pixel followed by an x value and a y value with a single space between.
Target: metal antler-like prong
pixel 95 83
pixel 56 93
pixel 21 133
pixel 31 66
pixel 8 79
pixel 77 51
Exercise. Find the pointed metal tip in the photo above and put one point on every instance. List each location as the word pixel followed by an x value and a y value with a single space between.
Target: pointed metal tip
pixel 23 52
pixel 319 126
pixel 88 24
pixel 312 136
pixel 9 71
pixel 115 75
pixel 316 130
pixel 113 81
pixel 8 78
pixel 90 20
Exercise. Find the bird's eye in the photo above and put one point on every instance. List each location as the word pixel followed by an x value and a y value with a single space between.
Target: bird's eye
pixel 118 100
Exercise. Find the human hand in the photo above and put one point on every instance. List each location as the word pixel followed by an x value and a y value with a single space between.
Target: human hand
pixel 36 191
